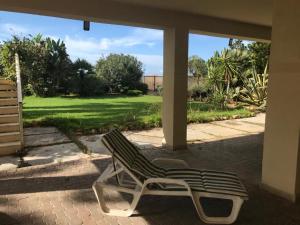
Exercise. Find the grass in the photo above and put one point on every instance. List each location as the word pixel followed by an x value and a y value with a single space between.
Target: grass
pixel 98 114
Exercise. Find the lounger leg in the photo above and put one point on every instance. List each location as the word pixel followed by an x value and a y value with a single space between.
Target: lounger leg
pixel 237 203
pixel 99 188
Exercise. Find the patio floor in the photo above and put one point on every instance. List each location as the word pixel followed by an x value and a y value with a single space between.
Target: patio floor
pixel 61 193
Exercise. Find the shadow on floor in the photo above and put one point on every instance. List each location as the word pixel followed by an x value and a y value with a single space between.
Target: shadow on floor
pixel 66 188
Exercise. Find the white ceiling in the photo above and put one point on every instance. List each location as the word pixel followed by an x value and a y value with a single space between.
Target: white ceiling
pixel 250 11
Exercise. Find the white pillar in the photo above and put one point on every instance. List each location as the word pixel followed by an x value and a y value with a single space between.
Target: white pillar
pixel 281 164
pixel 175 87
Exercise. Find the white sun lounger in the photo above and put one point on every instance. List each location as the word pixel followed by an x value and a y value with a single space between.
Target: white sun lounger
pixel 150 179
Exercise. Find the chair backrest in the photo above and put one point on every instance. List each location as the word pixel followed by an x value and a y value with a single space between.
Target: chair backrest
pixel 130 156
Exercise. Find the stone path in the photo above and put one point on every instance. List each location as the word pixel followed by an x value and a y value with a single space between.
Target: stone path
pixel 44 145
pixel 47 145
pixel 197 133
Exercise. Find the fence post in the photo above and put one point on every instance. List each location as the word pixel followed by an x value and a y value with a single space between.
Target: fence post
pixel 20 97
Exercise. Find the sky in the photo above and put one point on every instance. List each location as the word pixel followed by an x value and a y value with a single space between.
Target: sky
pixel 103 39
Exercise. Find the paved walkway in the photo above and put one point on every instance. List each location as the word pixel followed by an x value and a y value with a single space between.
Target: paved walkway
pixel 47 145
pixel 204 132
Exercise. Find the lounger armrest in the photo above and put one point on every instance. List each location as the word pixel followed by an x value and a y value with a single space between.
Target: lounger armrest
pixel 166 181
pixel 173 162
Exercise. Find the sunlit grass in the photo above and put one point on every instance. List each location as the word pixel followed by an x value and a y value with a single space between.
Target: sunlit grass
pixel 96 115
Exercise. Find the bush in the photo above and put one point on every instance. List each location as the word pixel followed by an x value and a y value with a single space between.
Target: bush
pixel 142 87
pixel 218 100
pixel 90 85
pixel 159 90
pixel 134 92
pixel 28 90
pixel 198 91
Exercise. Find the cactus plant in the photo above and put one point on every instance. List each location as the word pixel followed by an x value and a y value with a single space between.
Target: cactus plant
pixel 254 91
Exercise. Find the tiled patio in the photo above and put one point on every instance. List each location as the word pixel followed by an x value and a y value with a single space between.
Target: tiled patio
pixel 61 194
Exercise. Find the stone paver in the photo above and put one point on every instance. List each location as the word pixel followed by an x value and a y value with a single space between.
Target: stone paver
pixel 61 193
pixel 54 154
pixel 8 162
pixel 95 146
pixel 213 131
pixel 44 145
pixel 37 140
pixel 48 145
pixel 40 130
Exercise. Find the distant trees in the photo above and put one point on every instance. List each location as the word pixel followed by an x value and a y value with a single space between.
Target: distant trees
pixel 121 73
pixel 46 69
pixel 45 64
pixel 259 55
pixel 197 67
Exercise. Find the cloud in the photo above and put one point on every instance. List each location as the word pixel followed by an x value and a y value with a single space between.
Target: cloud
pixel 140 36
pixel 92 49
pixel 9 29
pixel 84 45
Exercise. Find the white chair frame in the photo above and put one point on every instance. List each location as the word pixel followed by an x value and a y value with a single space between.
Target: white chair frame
pixel 139 189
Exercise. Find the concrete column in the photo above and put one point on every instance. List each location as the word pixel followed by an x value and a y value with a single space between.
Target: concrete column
pixel 175 87
pixel 281 156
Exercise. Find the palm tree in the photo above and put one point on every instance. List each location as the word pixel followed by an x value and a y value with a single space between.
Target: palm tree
pixel 228 66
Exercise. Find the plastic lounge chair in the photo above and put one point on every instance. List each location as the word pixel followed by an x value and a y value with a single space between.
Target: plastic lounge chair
pixel 150 179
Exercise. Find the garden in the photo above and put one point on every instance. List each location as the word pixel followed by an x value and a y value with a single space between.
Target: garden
pixel 98 114
pixel 80 97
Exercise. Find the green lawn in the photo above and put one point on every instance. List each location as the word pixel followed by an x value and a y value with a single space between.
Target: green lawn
pixel 98 114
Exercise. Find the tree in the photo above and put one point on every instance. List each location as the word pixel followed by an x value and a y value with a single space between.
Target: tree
pixel 121 72
pixel 32 60
pixel 59 66
pixel 85 82
pixel 83 65
pixel 237 44
pixel 45 64
pixel 259 55
pixel 197 67
pixel 227 66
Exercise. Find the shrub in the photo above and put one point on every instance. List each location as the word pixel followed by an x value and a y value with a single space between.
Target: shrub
pixel 159 90
pixel 28 90
pixel 218 99
pixel 142 87
pixel 134 92
pixel 198 90
pixel 90 85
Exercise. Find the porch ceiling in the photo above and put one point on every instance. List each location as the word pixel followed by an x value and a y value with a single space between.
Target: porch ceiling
pixel 249 11
pixel 235 18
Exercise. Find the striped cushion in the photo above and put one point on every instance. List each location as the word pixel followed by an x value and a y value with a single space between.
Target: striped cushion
pixel 129 155
pixel 208 181
pixel 199 180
